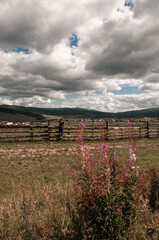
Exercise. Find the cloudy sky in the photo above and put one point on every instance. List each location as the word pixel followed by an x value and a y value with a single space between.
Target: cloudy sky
pixel 95 54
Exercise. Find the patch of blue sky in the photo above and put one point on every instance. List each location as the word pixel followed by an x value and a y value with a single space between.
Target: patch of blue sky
pixel 6 97
pixel 59 101
pixel 72 96
pixel 18 50
pixel 98 92
pixel 129 4
pixel 73 40
pixel 127 91
pixel 76 95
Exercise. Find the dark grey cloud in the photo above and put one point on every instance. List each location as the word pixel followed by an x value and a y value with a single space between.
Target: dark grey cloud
pixel 150 83
pixel 146 8
pixel 153 78
pixel 34 24
pixel 131 47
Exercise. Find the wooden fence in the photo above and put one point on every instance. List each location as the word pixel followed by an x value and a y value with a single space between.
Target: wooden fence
pixel 94 130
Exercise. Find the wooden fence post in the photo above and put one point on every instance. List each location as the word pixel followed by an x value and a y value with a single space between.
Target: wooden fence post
pixel 157 132
pixel 106 127
pixel 139 132
pixel 68 127
pixel 147 127
pixel 92 127
pixel 49 130
pixel 121 133
pixel 31 130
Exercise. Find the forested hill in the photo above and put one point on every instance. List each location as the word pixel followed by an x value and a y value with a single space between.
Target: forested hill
pixel 85 113
pixel 20 113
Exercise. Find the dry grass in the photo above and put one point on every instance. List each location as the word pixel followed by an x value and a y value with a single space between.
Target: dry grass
pixel 21 164
pixel 34 186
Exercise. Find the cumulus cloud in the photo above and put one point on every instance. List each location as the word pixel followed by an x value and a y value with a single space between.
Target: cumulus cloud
pixel 107 101
pixel 150 83
pixel 131 48
pixel 117 46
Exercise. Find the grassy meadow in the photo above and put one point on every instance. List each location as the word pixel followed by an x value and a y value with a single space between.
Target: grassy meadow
pixel 23 164
pixel 35 185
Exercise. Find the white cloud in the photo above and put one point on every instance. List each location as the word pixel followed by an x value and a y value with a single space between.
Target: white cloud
pixel 107 101
pixel 117 46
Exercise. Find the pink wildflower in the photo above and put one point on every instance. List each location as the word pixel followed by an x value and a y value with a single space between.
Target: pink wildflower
pixel 94 176
pixel 66 165
pixel 147 194
pixel 127 174
pixel 115 133
pixel 144 173
pixel 97 146
pixel 133 149
pixel 80 138
pixel 129 124
pixel 119 210
pixel 81 125
pixel 141 178
pixel 114 158
pixel 79 191
pixel 105 146
pixel 133 205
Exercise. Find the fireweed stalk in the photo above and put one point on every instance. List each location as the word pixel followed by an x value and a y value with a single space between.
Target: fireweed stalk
pixel 107 196
pixel 132 149
pixel 102 131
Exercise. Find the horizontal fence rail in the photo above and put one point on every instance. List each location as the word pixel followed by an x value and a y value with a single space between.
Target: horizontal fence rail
pixel 93 130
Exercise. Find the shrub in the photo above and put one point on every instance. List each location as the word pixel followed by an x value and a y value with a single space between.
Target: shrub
pixel 108 195
pixel 154 189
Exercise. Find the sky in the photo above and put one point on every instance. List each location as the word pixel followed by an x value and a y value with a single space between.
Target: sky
pixel 95 54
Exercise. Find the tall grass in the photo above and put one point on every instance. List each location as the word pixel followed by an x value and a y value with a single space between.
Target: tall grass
pixel 41 214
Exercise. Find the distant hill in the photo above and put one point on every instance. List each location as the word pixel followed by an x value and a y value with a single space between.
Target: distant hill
pixel 71 112
pixel 85 113
pixel 150 113
pixel 13 113
pixel 18 114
